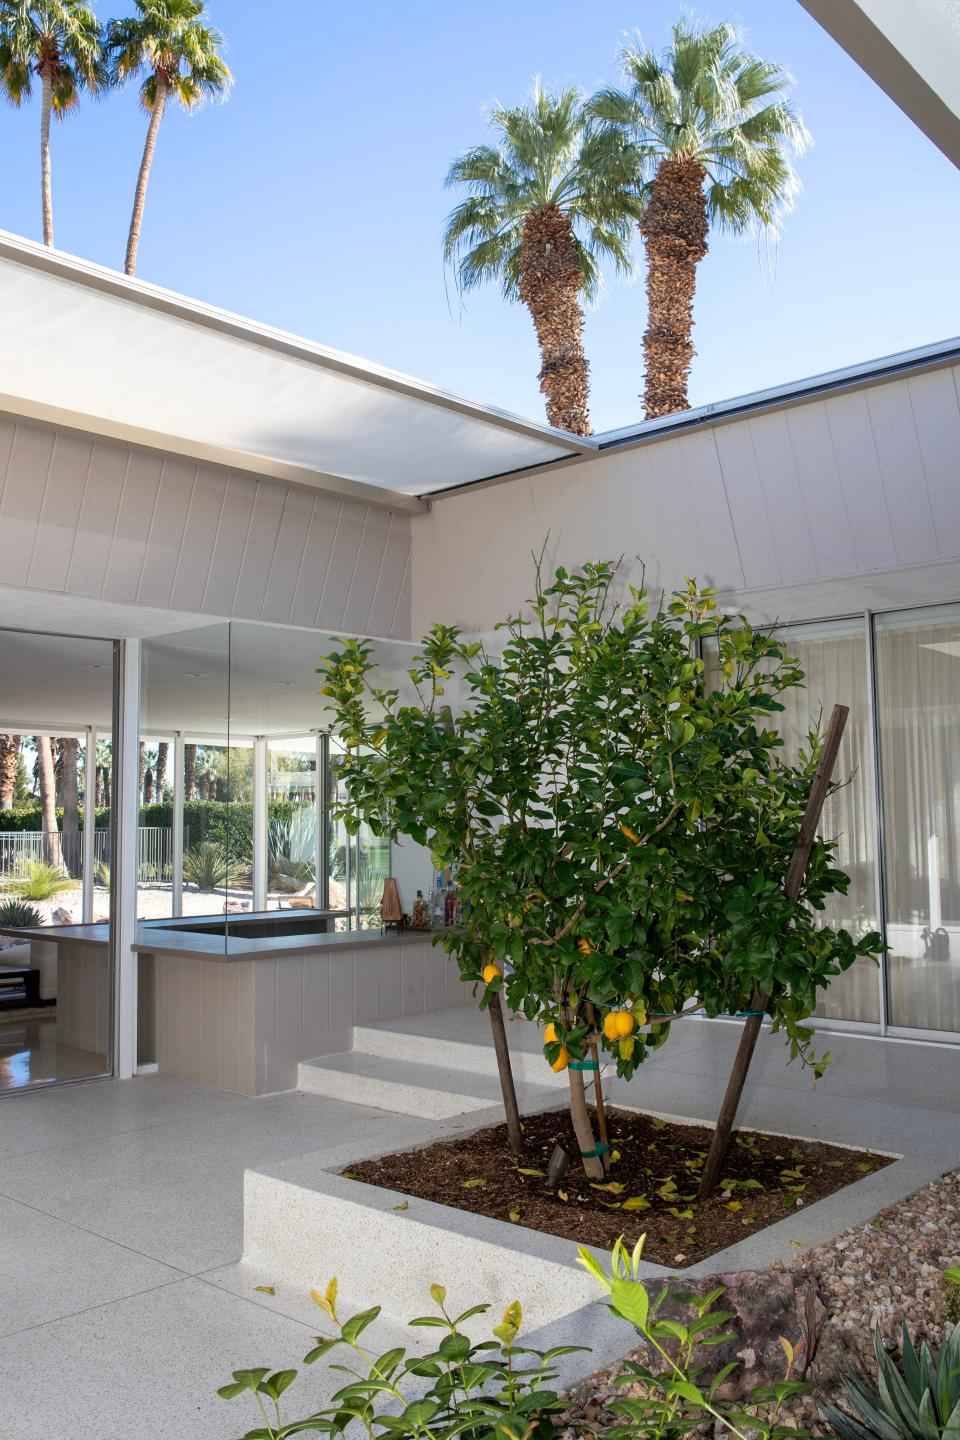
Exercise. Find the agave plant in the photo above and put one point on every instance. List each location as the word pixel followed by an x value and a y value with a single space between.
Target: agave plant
pixel 921 1404
pixel 36 880
pixel 18 915
pixel 291 847
pixel 207 866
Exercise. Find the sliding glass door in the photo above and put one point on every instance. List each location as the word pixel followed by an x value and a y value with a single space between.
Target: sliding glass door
pixel 918 712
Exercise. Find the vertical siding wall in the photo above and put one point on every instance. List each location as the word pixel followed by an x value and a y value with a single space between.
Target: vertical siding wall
pixel 95 518
pixel 863 481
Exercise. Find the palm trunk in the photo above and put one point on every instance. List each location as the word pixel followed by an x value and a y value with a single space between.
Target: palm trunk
pixel 190 771
pixel 550 286
pixel 48 800
pixel 69 784
pixel 46 182
pixel 674 229
pixel 160 774
pixel 140 198
pixel 9 756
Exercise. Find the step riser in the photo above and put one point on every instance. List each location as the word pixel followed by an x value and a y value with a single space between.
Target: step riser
pixel 381 1095
pixel 531 1069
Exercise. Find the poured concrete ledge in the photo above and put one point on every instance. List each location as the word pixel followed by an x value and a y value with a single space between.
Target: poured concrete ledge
pixel 304 1222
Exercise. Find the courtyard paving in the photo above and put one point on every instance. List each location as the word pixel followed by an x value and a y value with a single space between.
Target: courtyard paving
pixel 120 1202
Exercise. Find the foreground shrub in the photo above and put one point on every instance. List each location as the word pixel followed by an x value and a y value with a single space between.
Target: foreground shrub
pixel 923 1403
pixel 498 1390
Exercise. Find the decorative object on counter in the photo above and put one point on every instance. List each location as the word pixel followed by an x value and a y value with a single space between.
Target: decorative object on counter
pixel 391 911
pixel 420 918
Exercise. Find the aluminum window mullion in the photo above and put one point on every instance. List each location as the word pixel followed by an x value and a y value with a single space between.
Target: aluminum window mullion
pixel 879 867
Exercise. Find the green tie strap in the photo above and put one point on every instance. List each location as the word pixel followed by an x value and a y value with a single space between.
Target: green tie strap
pixel 584 1065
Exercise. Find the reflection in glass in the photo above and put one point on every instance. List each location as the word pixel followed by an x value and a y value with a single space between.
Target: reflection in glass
pixel 834 659
pixel 293 791
pixel 918 684
pixel 833 656
pixel 55 835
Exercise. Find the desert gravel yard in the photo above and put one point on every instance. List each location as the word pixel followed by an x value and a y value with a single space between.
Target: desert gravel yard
pixel 884 1273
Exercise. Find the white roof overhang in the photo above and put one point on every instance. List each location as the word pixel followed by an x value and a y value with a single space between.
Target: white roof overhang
pixel 911 48
pixel 92 350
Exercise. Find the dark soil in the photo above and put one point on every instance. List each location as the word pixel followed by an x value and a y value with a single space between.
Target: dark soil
pixel 654 1162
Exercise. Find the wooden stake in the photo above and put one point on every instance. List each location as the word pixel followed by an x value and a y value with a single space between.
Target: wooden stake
pixel 505 1071
pixel 751 1029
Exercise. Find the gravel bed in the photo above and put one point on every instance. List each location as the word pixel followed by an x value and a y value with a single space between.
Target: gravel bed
pixel 876 1275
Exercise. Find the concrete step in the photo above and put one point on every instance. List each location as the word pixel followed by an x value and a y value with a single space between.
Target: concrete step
pixel 408 1087
pixel 463 1046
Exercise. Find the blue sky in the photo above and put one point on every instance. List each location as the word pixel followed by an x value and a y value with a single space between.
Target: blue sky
pixel 314 198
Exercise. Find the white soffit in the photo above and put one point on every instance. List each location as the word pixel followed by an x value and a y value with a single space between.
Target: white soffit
pixel 911 48
pixel 84 344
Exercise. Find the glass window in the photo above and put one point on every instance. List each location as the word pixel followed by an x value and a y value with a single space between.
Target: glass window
pixel 292 798
pixel 833 655
pixel 918 686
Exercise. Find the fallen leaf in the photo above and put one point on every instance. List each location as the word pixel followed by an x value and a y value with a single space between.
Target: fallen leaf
pixel 404 1205
pixel 265 1289
pixel 472 1184
pixel 514 1213
pixel 615 1187
pixel 734 1205
pixel 563 1194
pixel 522 1171
pixel 636 1202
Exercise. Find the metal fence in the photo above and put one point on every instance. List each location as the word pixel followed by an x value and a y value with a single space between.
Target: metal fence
pixel 21 849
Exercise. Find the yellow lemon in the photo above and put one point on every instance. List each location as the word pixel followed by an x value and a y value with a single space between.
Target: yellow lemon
pixel 610 1029
pixel 490 973
pixel 562 1060
pixel 549 1034
pixel 624 1023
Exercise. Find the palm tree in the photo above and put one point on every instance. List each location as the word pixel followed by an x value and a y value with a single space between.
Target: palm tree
pixel 169 43
pixel 717 136
pixel 9 759
pixel 546 204
pixel 47 783
pixel 60 41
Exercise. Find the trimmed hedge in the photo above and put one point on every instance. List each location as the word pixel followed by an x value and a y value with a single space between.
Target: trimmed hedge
pixel 30 819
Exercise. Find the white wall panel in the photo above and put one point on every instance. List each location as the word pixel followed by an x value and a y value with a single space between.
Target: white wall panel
pixel 856 483
pixel 904 483
pixel 128 548
pixel 95 518
pixel 855 447
pixel 824 504
pixel 936 413
pixel 748 504
pixel 167 530
pixel 66 478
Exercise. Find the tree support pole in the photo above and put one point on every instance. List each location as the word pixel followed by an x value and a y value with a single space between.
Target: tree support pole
pixel 751 1029
pixel 505 1070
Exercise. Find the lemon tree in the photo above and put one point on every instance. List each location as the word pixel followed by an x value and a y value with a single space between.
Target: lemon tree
pixel 622 818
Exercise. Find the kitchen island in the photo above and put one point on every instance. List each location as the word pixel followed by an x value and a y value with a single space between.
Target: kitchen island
pixel 238 1000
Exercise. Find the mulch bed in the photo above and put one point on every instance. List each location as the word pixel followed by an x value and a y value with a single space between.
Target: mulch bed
pixel 651 1187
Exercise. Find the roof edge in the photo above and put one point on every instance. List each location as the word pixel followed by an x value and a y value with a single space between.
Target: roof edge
pixel 795 392
pixel 155 297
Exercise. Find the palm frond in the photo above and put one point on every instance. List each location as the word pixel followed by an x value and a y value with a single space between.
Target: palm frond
pixel 552 151
pixel 705 97
pixel 171 44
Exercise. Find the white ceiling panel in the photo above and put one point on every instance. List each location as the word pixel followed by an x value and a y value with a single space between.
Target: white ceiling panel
pixel 91 343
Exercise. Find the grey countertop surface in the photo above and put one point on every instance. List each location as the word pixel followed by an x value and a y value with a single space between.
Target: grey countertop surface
pixel 153 938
